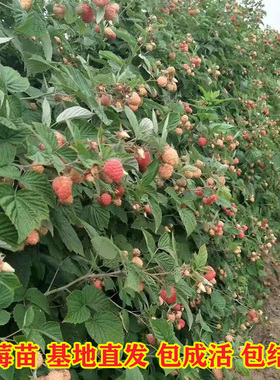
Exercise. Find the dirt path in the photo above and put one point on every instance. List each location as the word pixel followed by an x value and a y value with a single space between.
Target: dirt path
pixel 269 331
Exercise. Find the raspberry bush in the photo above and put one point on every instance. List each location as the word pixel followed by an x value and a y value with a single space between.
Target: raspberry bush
pixel 139 176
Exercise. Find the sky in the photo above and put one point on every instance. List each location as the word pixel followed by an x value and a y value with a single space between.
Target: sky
pixel 272 7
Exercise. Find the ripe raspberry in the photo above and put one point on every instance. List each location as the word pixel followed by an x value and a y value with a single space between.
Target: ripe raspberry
pixel 110 13
pixel 218 373
pixel 165 171
pixel 212 274
pixel 114 170
pixel 169 299
pixel 59 11
pixel 110 34
pixel 86 13
pixel 148 209
pixel 136 260
pixel 33 238
pixel 181 324
pixel 170 156
pixel 26 4
pixel 143 162
pixel 105 200
pixel 202 141
pixel 162 81
pixel 40 360
pixel 62 187
pixel 101 3
pixel 59 375
pixel 151 339
pixel 60 139
pixel 98 284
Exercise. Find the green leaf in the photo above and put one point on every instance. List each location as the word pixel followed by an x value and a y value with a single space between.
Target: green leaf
pixel 13 80
pixel 133 374
pixel 163 331
pixel 165 261
pixel 75 112
pixel 67 233
pixel 46 136
pixel 8 374
pixel 39 183
pixel 96 299
pixel 77 312
pixel 157 214
pixel 132 120
pixel 100 14
pixel 188 219
pixel 149 242
pixel 52 331
pixel 36 297
pixel 23 315
pixel 46 113
pixel 3 40
pixel 8 152
pixel 110 56
pixel 34 25
pixel 25 208
pixel 8 233
pixel 97 216
pixel 151 172
pixel 105 327
pixel 104 247
pixel 47 45
pixel 4 317
pixel 200 259
pixel 240 368
pixel 8 283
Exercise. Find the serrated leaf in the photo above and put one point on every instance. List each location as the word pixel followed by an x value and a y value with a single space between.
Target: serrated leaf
pixel 34 25
pixel 8 283
pixel 25 208
pixel 188 219
pixel 151 172
pixel 46 113
pixel 8 152
pixel 157 214
pixel 163 331
pixel 52 331
pixel 97 216
pixel 4 315
pixel 77 312
pixel 110 56
pixel 13 80
pixel 200 259
pixel 75 112
pixel 104 247
pixel 39 183
pixel 149 241
pixel 105 327
pixel 36 297
pixel 47 45
pixel 132 120
pixel 96 299
pixel 46 136
pixel 3 40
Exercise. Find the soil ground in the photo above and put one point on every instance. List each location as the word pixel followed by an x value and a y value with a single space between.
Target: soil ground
pixel 270 330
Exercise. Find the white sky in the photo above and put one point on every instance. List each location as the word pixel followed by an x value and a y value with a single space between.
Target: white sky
pixel 272 7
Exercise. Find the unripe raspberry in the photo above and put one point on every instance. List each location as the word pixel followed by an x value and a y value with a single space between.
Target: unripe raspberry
pixel 151 339
pixel 136 260
pixel 75 176
pixel 162 81
pixel 110 13
pixel 136 252
pixel 135 99
pixel 38 168
pixel 114 170
pixel 33 238
pixel 62 187
pixel 170 156
pixel 116 7
pixel 218 373
pixel 40 360
pixel 26 4
pixel 5 267
pixel 105 100
pixel 33 106
pixel 101 3
pixel 60 139
pixel 165 171
pixel 117 202
pixel 110 34
pixel 170 317
pixel 105 199
pixel 59 11
pixel 59 375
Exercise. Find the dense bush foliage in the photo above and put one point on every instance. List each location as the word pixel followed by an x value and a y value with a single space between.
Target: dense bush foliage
pixel 138 145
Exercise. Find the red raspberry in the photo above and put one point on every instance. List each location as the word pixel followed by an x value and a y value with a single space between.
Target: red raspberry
pixel 170 156
pixel 67 201
pixel 110 34
pixel 33 238
pixel 148 209
pixel 143 162
pixel 173 295
pixel 212 274
pixel 105 199
pixel 181 324
pixel 202 141
pixel 98 284
pixel 62 187
pixel 86 13
pixel 113 169
pixel 101 3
